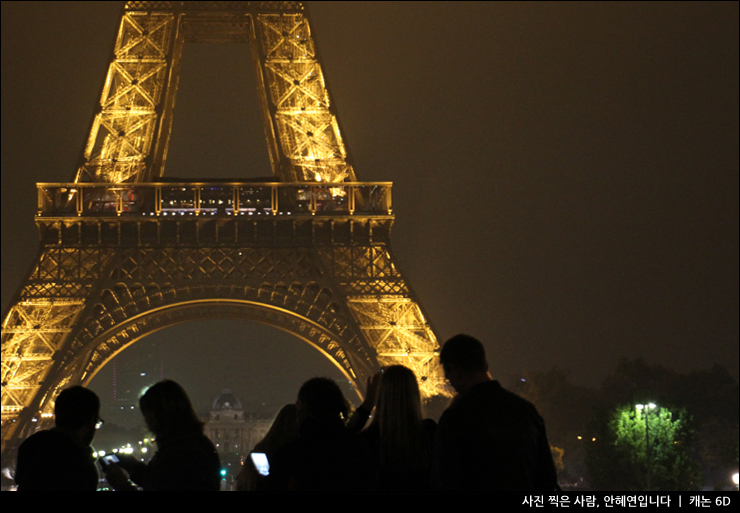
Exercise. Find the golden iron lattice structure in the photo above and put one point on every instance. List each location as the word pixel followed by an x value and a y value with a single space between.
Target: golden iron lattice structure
pixel 124 252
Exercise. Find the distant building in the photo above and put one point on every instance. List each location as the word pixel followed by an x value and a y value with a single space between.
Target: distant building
pixel 231 430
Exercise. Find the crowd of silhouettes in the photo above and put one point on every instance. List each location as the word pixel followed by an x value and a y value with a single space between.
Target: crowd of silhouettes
pixel 488 439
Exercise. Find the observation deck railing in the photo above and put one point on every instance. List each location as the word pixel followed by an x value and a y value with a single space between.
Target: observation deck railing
pixel 214 199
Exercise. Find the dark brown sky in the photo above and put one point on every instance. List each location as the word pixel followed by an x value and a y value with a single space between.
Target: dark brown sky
pixel 566 174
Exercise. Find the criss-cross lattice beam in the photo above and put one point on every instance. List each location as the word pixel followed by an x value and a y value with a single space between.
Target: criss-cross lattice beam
pixel 124 129
pixel 130 134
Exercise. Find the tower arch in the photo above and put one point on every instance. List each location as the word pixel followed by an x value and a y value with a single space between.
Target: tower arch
pixel 112 342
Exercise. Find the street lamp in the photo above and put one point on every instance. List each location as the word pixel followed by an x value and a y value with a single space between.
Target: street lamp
pixel 647 408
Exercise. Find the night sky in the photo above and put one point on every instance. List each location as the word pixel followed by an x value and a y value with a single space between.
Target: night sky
pixel 565 174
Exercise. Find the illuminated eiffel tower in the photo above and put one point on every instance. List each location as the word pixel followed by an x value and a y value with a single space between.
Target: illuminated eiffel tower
pixel 124 252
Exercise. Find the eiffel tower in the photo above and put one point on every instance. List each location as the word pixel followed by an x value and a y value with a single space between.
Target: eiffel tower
pixel 125 252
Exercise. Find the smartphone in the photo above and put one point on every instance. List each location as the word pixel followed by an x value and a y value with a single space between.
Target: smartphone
pixel 109 458
pixel 260 463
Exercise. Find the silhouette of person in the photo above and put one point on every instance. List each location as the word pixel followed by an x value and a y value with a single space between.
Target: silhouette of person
pixel 489 438
pixel 284 429
pixel 61 459
pixel 400 439
pixel 326 456
pixel 186 460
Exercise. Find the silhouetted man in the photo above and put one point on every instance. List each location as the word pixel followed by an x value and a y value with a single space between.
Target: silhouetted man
pixel 489 438
pixel 61 458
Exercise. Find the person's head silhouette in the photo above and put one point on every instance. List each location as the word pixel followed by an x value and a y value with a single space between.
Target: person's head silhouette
pixel 167 409
pixel 321 399
pixel 77 411
pixel 464 362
